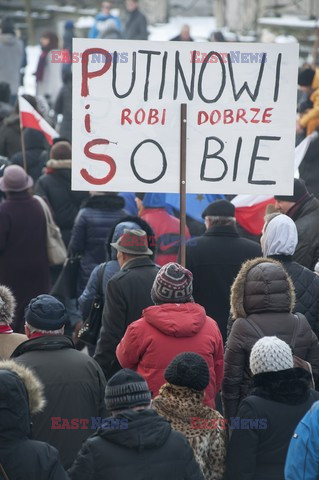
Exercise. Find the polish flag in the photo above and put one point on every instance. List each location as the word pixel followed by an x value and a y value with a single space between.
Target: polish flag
pixel 30 118
pixel 250 209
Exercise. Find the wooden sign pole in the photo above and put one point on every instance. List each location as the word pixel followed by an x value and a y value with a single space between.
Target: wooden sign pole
pixel 182 189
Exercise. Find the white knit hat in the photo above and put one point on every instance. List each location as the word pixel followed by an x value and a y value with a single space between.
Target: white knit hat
pixel 270 354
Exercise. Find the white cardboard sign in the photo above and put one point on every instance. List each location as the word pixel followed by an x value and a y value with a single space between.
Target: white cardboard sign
pixel 241 104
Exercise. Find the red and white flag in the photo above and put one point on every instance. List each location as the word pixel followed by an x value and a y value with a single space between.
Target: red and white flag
pixel 250 209
pixel 30 118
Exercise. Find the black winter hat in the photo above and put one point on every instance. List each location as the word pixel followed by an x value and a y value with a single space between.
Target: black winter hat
pixel 305 77
pixel 46 313
pixel 300 190
pixel 219 208
pixel 188 370
pixel 126 389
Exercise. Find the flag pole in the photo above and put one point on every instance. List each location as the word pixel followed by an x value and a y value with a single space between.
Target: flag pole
pixel 183 184
pixel 24 159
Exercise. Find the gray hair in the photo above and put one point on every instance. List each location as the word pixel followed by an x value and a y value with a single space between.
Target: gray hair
pixel 45 332
pixel 222 220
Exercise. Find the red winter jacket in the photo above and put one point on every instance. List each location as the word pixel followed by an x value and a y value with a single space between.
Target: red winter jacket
pixel 166 229
pixel 163 332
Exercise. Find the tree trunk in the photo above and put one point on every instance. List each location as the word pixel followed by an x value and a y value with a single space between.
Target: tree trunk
pixel 27 7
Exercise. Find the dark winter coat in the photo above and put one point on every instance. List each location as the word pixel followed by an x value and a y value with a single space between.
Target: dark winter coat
pixel 147 448
pixel 151 343
pixel 265 297
pixel 10 136
pixel 215 259
pixel 20 456
pixel 127 294
pixel 55 187
pixel 309 168
pixel 24 265
pixel 63 105
pixel 306 285
pixel 306 218
pixel 35 145
pixel 91 229
pixel 136 26
pixel 278 401
pixel 74 388
pixel 5 111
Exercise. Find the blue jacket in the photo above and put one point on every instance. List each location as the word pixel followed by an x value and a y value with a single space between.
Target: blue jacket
pixel 112 267
pixel 100 18
pixel 90 231
pixel 302 461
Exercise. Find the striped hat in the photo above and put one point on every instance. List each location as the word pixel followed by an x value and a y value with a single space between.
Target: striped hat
pixel 126 389
pixel 173 284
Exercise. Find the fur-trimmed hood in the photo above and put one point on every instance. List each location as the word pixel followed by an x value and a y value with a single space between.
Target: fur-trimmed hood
pixel 21 396
pixel 59 164
pixel 262 285
pixel 7 304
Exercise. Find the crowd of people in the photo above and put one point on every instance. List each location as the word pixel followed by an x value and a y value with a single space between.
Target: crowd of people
pixel 202 371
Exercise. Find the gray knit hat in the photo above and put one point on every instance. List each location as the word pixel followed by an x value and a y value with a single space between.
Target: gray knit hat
pixel 270 354
pixel 126 389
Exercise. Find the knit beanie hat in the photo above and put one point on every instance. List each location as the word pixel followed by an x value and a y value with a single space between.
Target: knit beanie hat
pixel 46 313
pixel 188 369
pixel 126 389
pixel 300 190
pixel 173 284
pixel 270 354
pixel 305 77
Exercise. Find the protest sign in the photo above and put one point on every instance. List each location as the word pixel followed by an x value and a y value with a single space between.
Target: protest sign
pixel 241 110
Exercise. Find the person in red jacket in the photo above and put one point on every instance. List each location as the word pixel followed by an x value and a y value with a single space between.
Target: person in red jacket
pixel 151 208
pixel 175 324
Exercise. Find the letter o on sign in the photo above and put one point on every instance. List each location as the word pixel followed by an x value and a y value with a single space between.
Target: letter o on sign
pixel 164 162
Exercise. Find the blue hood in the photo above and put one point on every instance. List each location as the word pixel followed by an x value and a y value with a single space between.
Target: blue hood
pixel 154 200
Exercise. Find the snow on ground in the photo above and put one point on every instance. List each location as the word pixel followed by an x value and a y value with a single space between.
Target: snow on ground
pixel 201 28
pixel 288 21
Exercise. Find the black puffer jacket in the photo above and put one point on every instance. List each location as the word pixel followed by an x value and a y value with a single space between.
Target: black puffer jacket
pixel 21 457
pixel 55 186
pixel 91 229
pixel 262 294
pixel 278 401
pixel 147 449
pixel 306 218
pixel 306 285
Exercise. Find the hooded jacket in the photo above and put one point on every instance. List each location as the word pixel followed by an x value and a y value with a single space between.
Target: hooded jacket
pixel 147 448
pixel 279 242
pixel 163 332
pixel 277 402
pixel 166 228
pixel 262 294
pixel 203 427
pixel 21 457
pixel 302 461
pixel 91 228
pixel 74 388
pixel 35 145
